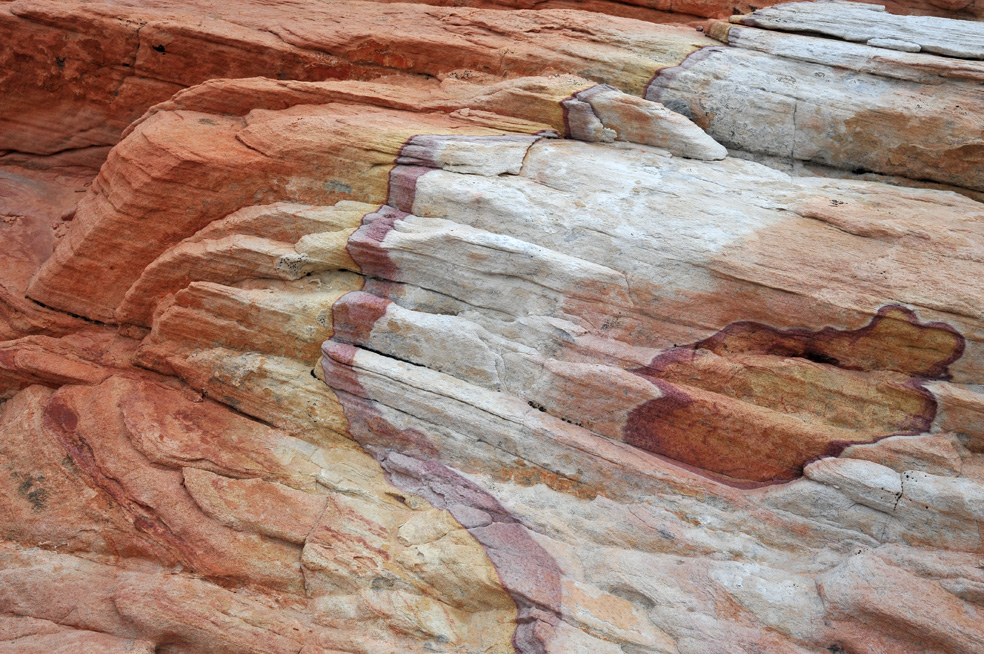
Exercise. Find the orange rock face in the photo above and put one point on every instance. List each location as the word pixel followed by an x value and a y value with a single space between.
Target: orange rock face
pixel 105 64
pixel 548 328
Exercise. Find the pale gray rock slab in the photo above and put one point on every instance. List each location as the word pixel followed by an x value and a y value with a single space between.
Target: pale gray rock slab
pixel 603 113
pixel 866 482
pixel 626 208
pixel 834 106
pixel 862 58
pixel 477 155
pixel 894 44
pixel 937 454
pixel 951 507
pixel 929 508
pixel 533 278
pixel 856 526
pixel 584 124
pixel 864 23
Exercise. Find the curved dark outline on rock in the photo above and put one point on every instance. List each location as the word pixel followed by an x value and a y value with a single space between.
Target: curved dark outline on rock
pixel 917 382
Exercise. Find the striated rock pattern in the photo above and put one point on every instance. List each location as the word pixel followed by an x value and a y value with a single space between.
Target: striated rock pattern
pixel 878 106
pixel 390 328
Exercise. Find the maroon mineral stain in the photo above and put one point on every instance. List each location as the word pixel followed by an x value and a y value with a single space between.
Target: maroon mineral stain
pixel 60 417
pixel 420 155
pixel 752 404
pixel 403 186
pixel 526 571
pixel 895 339
pixel 365 245
pixel 664 76
pixel 416 158
pixel 62 421
pixel 353 317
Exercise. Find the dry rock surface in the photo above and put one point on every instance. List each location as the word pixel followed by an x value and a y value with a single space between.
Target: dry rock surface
pixel 377 328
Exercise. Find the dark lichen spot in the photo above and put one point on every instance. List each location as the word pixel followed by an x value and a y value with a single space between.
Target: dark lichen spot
pixel 335 186
pixel 665 534
pixel 381 583
pixel 31 490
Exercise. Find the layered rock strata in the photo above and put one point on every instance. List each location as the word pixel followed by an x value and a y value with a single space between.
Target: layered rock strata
pixel 869 104
pixel 504 361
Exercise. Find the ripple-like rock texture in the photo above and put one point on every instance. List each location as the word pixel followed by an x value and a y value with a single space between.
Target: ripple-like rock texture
pixel 546 328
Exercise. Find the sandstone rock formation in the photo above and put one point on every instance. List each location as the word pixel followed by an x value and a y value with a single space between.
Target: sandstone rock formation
pixel 390 328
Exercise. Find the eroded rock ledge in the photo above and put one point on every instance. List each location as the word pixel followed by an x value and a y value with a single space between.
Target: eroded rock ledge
pixel 471 330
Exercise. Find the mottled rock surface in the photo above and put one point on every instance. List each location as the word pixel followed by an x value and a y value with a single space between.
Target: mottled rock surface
pixel 390 328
